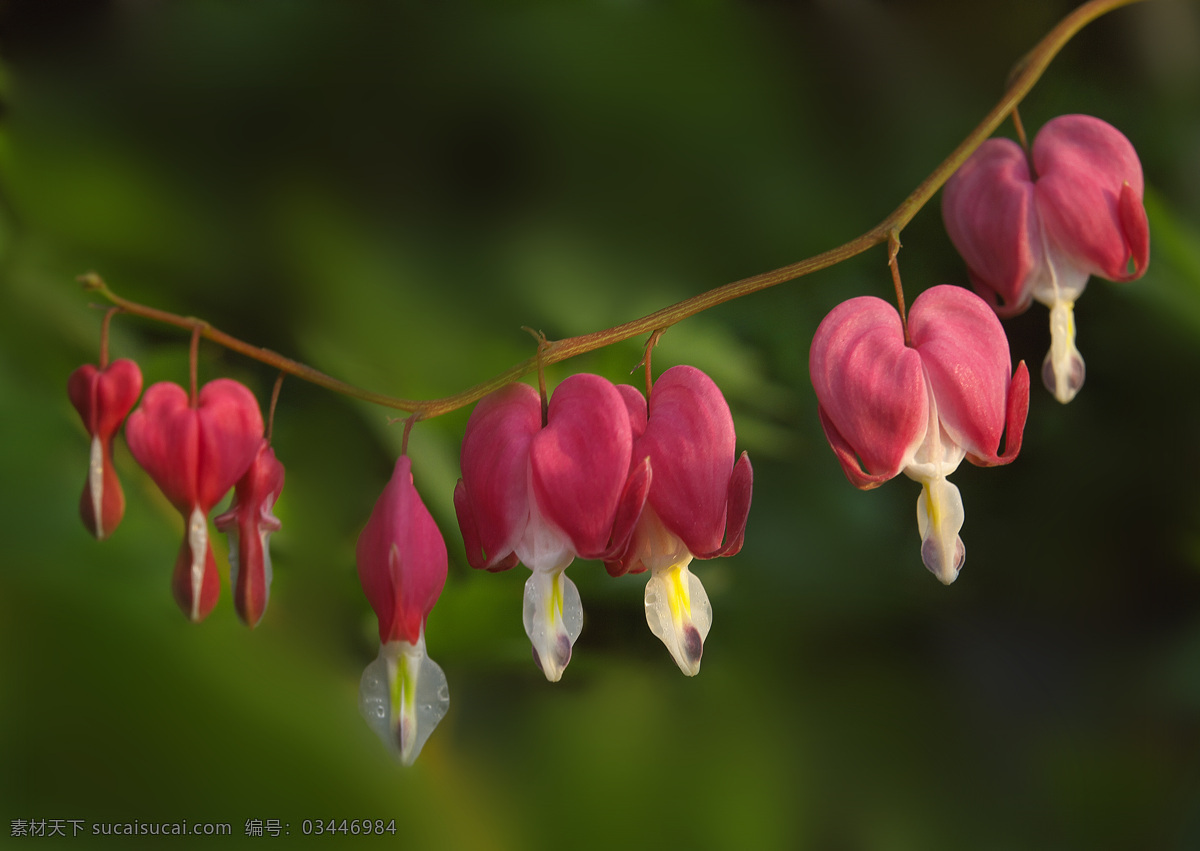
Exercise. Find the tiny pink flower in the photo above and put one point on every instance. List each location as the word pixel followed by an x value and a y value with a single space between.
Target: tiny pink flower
pixel 697 506
pixel 543 494
pixel 196 452
pixel 249 523
pixel 1037 227
pixel 103 398
pixel 402 566
pixel 888 407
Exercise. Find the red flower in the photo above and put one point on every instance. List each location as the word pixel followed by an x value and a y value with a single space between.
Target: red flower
pixel 103 398
pixel 697 507
pixel 888 407
pixel 546 493
pixel 195 452
pixel 1037 226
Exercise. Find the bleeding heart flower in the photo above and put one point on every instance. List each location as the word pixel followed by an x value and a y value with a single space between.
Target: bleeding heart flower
pixel 196 452
pixel 889 407
pixel 697 506
pixel 402 566
pixel 544 493
pixel 249 524
pixel 1039 234
pixel 103 398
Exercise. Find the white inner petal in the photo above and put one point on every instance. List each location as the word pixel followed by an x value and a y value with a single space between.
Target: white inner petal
pixel 403 695
pixel 938 455
pixel 543 546
pixel 553 618
pixel 1058 285
pixel 1058 279
pixel 656 546
pixel 679 613
pixel 940 515
pixel 96 485
pixel 1063 369
pixel 198 544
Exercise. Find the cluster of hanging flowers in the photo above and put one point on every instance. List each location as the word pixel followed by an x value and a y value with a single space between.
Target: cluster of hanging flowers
pixel 1036 225
pixel 647 483
pixel 595 477
pixel 196 446
pixel 918 397
pixel 605 476
pixel 595 471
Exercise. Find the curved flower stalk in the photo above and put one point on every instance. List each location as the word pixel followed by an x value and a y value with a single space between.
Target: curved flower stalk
pixel 1038 227
pixel 402 564
pixel 887 407
pixel 196 451
pixel 697 506
pixel 249 523
pixel 543 494
pixel 103 397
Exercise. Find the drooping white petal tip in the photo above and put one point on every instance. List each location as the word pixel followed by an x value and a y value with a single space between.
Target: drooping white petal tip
pixel 679 613
pixel 1063 370
pixel 197 538
pixel 939 517
pixel 403 696
pixel 553 617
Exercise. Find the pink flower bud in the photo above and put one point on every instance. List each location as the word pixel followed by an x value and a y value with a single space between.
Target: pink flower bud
pixel 544 494
pixel 887 407
pixel 401 558
pixel 1038 228
pixel 249 524
pixel 402 565
pixel 195 453
pixel 103 398
pixel 697 506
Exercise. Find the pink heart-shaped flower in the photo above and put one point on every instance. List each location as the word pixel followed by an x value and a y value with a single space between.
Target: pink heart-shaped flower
pixel 871 388
pixel 580 461
pixel 103 397
pixel 195 454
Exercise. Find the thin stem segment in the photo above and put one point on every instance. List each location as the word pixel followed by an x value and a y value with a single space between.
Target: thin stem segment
pixel 108 315
pixel 894 263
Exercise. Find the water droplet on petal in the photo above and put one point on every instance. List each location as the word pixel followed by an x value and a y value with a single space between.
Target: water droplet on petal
pixel 403 696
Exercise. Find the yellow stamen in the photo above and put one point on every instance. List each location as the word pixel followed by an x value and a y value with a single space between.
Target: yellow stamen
pixel 554 602
pixel 932 510
pixel 402 677
pixel 677 594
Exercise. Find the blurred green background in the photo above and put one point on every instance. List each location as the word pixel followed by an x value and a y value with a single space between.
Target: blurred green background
pixel 389 192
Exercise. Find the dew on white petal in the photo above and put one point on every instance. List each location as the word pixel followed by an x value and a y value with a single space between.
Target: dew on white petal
pixel 403 695
pixel 373 698
pixel 679 613
pixel 553 617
